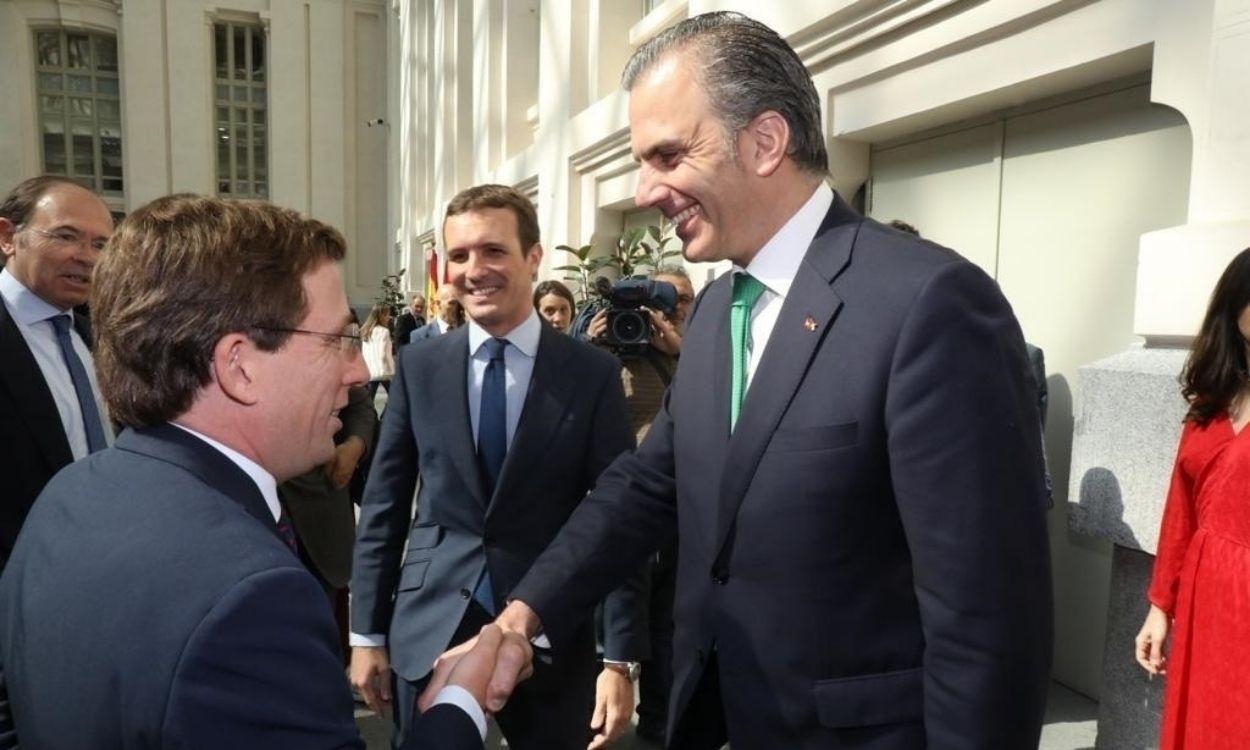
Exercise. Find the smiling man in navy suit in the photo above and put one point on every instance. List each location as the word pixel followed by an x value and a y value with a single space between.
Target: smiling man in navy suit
pixel 849 450
pixel 155 597
pixel 508 423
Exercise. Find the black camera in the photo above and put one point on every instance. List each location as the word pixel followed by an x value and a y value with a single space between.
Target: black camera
pixel 629 328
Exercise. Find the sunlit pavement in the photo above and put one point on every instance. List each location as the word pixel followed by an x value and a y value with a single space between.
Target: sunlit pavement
pixel 1070 725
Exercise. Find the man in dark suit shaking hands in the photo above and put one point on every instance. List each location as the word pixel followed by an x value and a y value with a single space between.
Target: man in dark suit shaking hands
pixel 849 450
pixel 508 423
pixel 51 233
pixel 155 597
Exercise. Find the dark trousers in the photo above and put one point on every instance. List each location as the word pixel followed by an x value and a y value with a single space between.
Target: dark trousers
pixel 656 682
pixel 701 725
pixel 549 711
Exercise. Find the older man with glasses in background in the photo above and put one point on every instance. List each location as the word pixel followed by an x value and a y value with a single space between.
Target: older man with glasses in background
pixel 51 233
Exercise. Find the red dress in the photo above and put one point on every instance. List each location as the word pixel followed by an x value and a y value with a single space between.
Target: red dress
pixel 1202 578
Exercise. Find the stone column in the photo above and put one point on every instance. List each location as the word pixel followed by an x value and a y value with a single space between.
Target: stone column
pixel 1130 416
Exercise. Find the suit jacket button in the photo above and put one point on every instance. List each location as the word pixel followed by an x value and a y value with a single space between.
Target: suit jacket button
pixel 720 579
pixel 465 593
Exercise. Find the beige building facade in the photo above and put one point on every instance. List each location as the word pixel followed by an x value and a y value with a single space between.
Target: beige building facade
pixel 1091 156
pixel 279 99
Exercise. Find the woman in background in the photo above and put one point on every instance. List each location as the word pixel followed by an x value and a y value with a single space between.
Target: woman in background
pixel 375 336
pixel 554 302
pixel 1200 592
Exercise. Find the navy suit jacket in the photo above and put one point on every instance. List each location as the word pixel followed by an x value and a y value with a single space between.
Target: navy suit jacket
pixel 33 445
pixel 866 552
pixel 573 424
pixel 150 603
pixel 427 331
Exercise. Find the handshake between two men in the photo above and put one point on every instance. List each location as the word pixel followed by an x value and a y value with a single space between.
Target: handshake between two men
pixel 488 667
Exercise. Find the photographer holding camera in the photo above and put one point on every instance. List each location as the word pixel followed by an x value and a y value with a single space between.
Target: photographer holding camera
pixel 648 355
pixel 641 321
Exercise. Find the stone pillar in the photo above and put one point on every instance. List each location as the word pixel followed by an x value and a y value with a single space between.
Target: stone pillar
pixel 1130 417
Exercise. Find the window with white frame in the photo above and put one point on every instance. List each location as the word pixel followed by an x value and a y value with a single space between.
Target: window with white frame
pixel 79 99
pixel 650 5
pixel 241 110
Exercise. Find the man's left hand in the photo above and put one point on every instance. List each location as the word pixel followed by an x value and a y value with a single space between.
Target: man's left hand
pixel 347 456
pixel 664 335
pixel 614 708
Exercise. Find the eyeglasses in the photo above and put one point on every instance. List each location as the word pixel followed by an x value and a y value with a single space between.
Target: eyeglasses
pixel 348 341
pixel 68 236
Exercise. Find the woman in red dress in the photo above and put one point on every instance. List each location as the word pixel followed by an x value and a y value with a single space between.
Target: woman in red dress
pixel 1200 592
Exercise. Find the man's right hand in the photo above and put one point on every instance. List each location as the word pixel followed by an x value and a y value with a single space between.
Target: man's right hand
pixel 511 659
pixel 598 325
pixel 371 676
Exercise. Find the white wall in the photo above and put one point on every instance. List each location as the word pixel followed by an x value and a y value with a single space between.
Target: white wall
pixel 1051 200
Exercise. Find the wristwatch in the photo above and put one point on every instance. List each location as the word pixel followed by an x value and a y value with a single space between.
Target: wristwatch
pixel 630 669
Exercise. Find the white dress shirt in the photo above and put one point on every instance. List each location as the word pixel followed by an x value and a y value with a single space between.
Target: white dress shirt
pixel 33 317
pixel 265 482
pixel 776 265
pixel 518 359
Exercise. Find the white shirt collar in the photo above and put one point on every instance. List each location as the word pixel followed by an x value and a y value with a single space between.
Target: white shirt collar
pixel 265 482
pixel 777 262
pixel 524 337
pixel 25 306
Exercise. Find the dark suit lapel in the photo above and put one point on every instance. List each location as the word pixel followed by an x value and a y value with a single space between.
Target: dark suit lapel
pixel 809 311
pixel 546 401
pixel 448 387
pixel 177 446
pixel 31 397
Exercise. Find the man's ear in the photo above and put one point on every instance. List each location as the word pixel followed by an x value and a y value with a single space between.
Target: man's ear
pixel 535 257
pixel 235 368
pixel 767 142
pixel 8 237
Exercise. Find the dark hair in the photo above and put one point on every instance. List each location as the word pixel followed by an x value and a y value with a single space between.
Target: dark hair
pixel 499 196
pixel 903 226
pixel 746 68
pixel 19 204
pixel 1216 369
pixel 551 286
pixel 180 273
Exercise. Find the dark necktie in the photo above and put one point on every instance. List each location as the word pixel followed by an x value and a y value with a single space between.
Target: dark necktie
pixel 747 291
pixel 287 532
pixel 82 386
pixel 492 423
pixel 492 442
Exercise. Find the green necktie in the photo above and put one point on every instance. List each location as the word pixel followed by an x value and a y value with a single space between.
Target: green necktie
pixel 747 291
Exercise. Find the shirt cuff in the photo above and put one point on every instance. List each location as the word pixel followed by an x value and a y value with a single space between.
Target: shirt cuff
pixel 464 700
pixel 366 639
pixel 541 641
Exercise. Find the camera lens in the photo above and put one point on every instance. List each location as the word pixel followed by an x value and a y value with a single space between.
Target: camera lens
pixel 630 327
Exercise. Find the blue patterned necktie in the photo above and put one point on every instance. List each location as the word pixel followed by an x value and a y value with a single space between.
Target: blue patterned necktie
pixel 82 386
pixel 492 441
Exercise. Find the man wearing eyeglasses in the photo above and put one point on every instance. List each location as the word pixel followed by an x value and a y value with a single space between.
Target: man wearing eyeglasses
pixel 51 232
pixel 155 596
